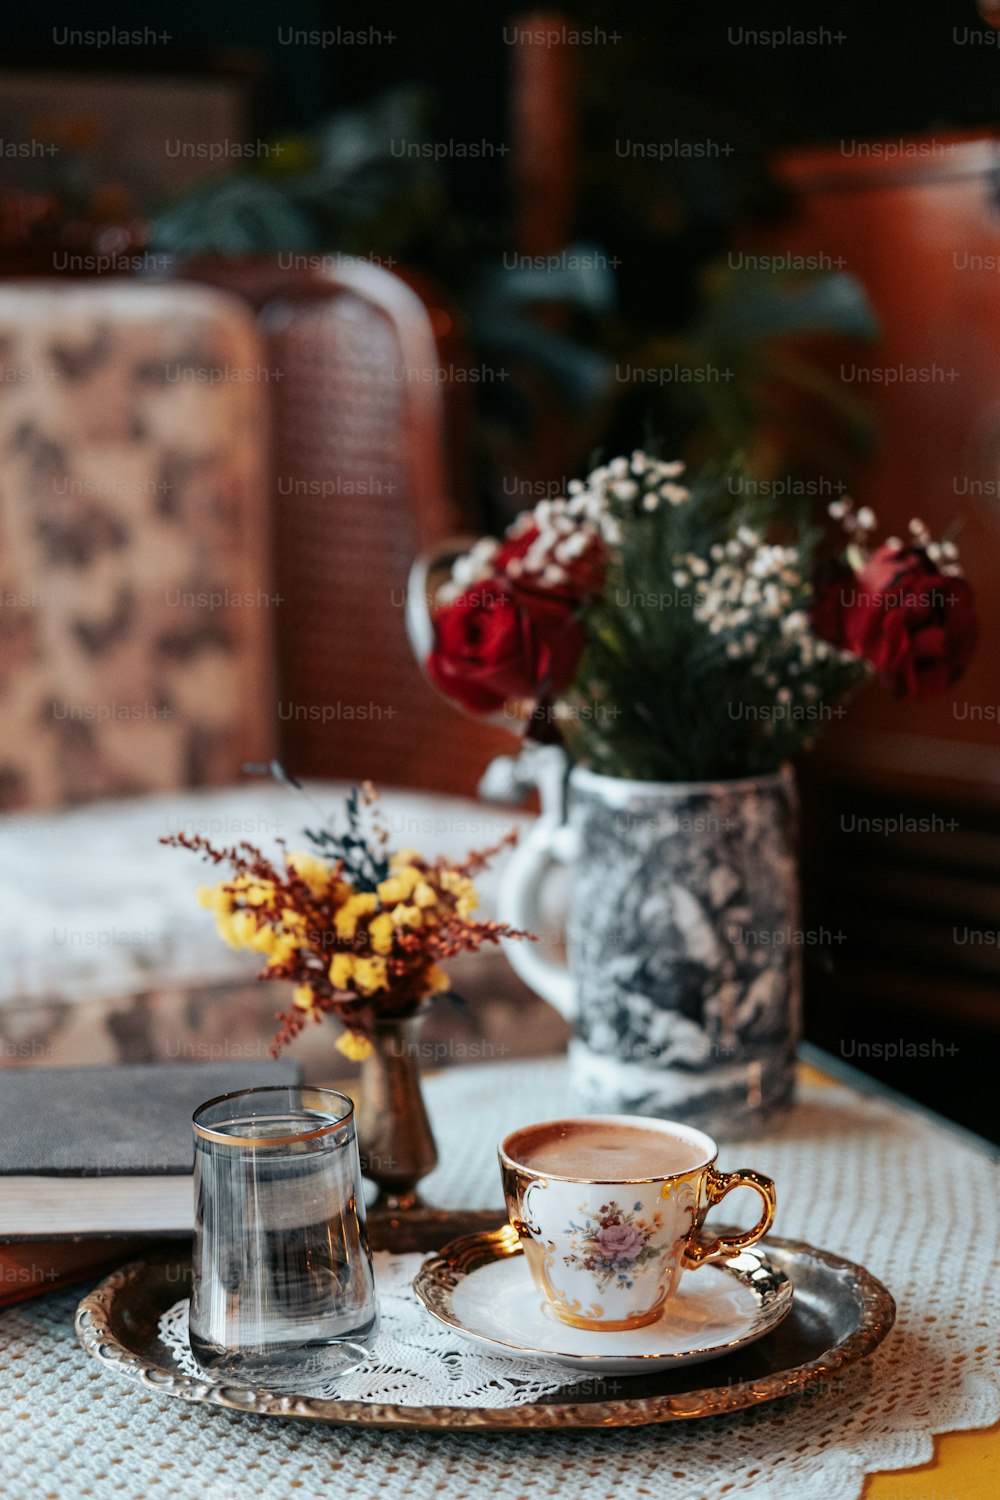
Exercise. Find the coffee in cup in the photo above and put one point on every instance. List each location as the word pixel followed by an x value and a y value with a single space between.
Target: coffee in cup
pixel 608 1209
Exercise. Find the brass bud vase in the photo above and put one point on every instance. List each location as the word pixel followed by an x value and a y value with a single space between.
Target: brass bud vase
pixel 394 1134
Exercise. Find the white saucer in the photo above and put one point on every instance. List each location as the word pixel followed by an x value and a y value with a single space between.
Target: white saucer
pixel 480 1286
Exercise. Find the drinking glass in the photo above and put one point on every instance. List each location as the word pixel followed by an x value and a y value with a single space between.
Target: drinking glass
pixel 283 1294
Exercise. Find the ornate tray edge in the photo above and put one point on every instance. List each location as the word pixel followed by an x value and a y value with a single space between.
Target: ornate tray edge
pixel 877 1315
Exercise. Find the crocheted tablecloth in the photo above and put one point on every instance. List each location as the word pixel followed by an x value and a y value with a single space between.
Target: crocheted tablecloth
pixel 879 1184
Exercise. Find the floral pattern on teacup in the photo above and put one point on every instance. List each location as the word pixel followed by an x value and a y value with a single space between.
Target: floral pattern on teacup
pixel 612 1243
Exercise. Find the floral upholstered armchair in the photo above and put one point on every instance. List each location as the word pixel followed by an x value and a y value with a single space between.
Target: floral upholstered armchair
pixel 145 643
pixel 135 628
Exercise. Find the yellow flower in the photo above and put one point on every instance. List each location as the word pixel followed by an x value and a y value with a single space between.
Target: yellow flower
pixel 304 996
pixel 346 920
pixel 380 930
pixel 238 928
pixel 263 940
pixel 461 887
pixel 283 949
pixel 355 1047
pixel 370 974
pixel 341 970
pixel 407 916
pixel 310 868
pixel 404 857
pixel 215 897
pixel 437 981
pixel 293 921
pixel 279 946
pixel 425 895
pixel 399 887
pixel 254 892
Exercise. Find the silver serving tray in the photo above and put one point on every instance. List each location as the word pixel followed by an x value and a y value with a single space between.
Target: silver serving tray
pixel 840 1313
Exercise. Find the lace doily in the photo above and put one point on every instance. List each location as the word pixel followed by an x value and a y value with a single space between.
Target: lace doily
pixel 416 1361
pixel 916 1204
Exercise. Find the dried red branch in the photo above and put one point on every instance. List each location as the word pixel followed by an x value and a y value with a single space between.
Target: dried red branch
pixel 478 859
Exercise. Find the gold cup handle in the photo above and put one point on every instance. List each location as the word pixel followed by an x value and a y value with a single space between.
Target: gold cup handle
pixel 716 1186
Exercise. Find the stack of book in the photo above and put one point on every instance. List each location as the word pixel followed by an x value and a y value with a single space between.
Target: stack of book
pixel 96 1161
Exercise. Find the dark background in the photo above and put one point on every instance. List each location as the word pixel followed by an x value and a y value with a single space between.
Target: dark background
pixel 887 75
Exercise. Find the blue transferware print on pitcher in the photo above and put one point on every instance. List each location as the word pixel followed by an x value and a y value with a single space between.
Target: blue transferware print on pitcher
pixel 684 977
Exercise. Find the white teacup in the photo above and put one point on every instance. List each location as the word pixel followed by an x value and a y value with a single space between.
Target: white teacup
pixel 608 1209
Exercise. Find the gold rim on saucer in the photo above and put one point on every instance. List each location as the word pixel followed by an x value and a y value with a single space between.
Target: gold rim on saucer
pixel 440 1277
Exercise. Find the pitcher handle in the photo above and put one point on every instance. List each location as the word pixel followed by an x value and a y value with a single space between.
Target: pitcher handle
pixel 419 626
pixel 550 842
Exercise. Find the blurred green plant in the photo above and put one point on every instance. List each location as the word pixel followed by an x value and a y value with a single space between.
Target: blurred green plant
pixel 726 371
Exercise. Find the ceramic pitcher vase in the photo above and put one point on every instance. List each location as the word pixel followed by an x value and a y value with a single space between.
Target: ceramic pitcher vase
pixel 684 961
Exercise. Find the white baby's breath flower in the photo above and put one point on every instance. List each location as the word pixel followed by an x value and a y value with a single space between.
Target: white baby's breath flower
pixel 866 518
pixel 797 621
pixel 651 501
pixel 574 545
pixel 465 571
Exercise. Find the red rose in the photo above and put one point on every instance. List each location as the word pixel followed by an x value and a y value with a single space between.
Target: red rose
pixel 832 586
pixel 916 625
pixel 496 642
pixel 584 574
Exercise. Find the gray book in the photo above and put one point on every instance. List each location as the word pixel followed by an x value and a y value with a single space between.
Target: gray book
pixel 108 1151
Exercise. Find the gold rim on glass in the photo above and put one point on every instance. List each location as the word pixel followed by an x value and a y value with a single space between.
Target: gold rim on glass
pixel 257 1143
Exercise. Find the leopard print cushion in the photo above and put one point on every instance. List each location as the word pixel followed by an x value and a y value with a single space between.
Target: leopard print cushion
pixel 135 605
